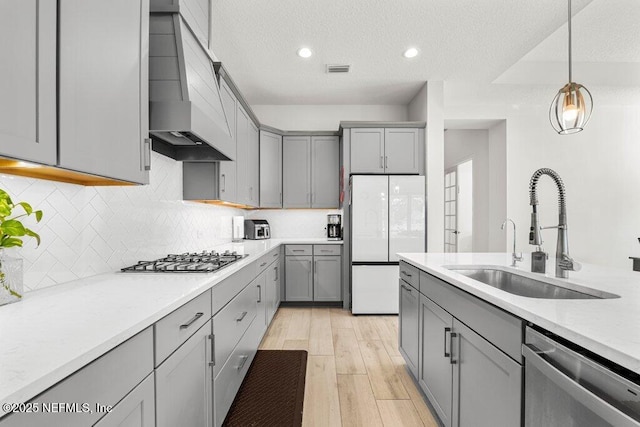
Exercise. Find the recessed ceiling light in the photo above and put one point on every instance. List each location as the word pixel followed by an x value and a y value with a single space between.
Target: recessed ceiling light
pixel 412 52
pixel 304 52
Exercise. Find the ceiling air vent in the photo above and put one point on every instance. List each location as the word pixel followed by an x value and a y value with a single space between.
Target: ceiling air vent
pixel 338 68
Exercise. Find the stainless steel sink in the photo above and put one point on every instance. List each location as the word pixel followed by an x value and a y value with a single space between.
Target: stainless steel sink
pixel 528 287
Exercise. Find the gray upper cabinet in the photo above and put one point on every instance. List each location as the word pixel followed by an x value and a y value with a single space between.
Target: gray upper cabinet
pixel 184 383
pixel 299 282
pixel 28 80
pixel 385 151
pixel 103 88
pixel 242 162
pixel 409 325
pixel 254 165
pixel 327 283
pixel 227 170
pixel 367 150
pixel 482 368
pixel 401 150
pixel 270 170
pixel 325 169
pixel 436 370
pixel 296 173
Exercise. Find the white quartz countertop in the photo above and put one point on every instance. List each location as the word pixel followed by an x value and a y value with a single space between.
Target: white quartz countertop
pixel 608 327
pixel 54 332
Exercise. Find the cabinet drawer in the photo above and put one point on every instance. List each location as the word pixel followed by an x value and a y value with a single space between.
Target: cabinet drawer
pixel 410 274
pixel 326 250
pixel 104 381
pixel 175 328
pixel 223 292
pixel 265 260
pixel 299 250
pixel 500 328
pixel 228 381
pixel 231 323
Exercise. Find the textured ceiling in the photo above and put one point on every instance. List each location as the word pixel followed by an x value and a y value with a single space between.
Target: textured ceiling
pixel 606 49
pixel 464 40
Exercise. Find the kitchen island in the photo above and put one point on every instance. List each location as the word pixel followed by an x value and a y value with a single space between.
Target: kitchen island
pixel 491 344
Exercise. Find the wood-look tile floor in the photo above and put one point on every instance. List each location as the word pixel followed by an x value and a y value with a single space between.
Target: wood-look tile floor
pixel 355 374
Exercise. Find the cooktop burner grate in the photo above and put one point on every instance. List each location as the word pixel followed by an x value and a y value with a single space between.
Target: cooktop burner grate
pixel 203 262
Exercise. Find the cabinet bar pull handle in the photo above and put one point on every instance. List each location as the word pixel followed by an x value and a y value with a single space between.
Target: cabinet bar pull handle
pixel 407 274
pixel 406 288
pixel 381 164
pixel 192 320
pixel 324 250
pixel 239 319
pixel 297 250
pixel 263 264
pixel 446 331
pixel 224 183
pixel 276 279
pixel 280 198
pixel 259 293
pixel 386 158
pixel 243 360
pixel 452 360
pixel 147 154
pixel 276 254
pixel 212 337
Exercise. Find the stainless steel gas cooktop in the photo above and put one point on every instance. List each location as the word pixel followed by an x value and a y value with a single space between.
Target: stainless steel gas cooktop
pixel 203 262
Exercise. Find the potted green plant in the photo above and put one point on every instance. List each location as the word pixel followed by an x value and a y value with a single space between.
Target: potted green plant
pixel 12 233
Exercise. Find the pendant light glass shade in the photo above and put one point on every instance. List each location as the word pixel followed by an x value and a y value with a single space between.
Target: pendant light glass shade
pixel 571 108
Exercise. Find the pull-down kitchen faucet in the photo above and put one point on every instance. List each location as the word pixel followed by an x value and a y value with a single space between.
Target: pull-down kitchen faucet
pixel 564 263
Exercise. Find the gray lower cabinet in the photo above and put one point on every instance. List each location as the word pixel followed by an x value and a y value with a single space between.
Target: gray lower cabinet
pixel 273 289
pixel 260 292
pixel 296 171
pixel 467 366
pixel 327 278
pixel 408 323
pixel 28 80
pixel 325 171
pixel 299 280
pixel 103 83
pixel 137 409
pixel 483 370
pixel 184 383
pixel 436 370
pixel 105 381
pixel 270 170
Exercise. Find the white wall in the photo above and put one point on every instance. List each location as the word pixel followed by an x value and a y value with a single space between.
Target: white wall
pixel 601 170
pixel 599 167
pixel 92 230
pixel 497 239
pixel 296 223
pixel 463 145
pixel 325 117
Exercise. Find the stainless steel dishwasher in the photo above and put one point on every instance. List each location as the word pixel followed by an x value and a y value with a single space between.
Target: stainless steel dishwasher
pixel 564 388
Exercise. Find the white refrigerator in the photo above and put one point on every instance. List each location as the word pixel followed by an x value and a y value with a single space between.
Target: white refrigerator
pixel 387 217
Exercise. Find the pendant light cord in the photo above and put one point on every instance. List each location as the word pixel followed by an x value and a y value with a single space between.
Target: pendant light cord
pixel 570 65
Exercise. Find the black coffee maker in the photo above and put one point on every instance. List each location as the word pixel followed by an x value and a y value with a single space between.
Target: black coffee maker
pixel 334 227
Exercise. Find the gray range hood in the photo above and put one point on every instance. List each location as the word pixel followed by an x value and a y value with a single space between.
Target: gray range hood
pixel 186 117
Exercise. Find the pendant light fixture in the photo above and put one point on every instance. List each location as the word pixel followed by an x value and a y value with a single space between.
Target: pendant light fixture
pixel 571 108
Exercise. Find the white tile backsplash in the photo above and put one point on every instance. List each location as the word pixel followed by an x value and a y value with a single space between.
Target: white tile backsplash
pixel 90 230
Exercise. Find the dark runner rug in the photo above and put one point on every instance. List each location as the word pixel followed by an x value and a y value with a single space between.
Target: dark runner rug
pixel 272 393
